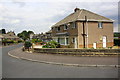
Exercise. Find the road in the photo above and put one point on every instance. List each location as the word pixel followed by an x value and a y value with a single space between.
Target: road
pixel 16 68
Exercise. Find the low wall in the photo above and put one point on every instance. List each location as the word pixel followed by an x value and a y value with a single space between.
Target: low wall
pixel 80 52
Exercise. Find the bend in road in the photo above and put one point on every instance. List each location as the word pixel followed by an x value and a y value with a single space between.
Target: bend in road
pixel 16 68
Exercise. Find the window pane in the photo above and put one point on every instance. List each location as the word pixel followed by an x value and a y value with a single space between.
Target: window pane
pixel 65 27
pixel 67 41
pixel 99 24
pixel 62 40
pixel 73 40
pixel 73 24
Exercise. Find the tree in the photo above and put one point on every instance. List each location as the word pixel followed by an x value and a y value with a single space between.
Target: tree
pixel 25 35
pixel 30 32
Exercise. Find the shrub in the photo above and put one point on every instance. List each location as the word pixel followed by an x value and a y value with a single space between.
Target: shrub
pixel 35 40
pixel 27 45
pixel 19 41
pixel 51 44
pixel 116 42
pixel 10 41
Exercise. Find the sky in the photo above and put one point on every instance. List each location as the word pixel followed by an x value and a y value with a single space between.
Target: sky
pixel 39 16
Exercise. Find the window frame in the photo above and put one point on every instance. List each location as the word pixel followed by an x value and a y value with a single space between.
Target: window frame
pixel 73 40
pixel 67 41
pixel 100 25
pixel 58 29
pixel 73 25
pixel 65 27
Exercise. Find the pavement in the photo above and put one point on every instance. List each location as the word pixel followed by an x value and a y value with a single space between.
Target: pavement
pixel 57 59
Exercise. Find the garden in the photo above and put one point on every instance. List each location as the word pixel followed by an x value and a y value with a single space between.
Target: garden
pixel 6 42
pixel 36 42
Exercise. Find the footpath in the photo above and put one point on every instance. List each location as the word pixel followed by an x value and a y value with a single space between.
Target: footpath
pixel 96 61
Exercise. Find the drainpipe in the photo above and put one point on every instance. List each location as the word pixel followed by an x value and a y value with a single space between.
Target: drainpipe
pixel 84 32
pixel 87 33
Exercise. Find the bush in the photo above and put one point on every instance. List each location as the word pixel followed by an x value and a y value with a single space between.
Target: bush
pixel 116 42
pixel 35 40
pixel 10 41
pixel 19 41
pixel 51 44
pixel 27 45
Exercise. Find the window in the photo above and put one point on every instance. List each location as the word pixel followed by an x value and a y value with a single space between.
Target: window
pixel 58 40
pixel 65 27
pixel 52 28
pixel 73 25
pixel 67 41
pixel 73 40
pixel 100 25
pixel 62 41
pixel 58 28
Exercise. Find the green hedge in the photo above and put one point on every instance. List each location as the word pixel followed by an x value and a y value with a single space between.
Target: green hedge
pixel 116 42
pixel 27 44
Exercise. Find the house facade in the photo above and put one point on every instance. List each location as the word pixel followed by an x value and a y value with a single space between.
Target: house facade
pixel 46 37
pixel 84 29
pixel 9 35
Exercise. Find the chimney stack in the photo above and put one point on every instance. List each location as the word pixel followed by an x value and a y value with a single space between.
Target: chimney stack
pixel 76 9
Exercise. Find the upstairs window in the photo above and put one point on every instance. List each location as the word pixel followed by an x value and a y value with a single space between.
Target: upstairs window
pixel 100 25
pixel 58 28
pixel 65 27
pixel 73 25
pixel 52 28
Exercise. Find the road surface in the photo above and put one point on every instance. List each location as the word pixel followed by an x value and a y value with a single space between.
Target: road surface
pixel 16 68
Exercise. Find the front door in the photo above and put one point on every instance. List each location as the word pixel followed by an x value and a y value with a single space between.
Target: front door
pixel 75 44
pixel 104 41
pixel 94 45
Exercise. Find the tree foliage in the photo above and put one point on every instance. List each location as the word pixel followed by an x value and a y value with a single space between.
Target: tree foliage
pixel 117 34
pixel 27 44
pixel 35 40
pixel 25 35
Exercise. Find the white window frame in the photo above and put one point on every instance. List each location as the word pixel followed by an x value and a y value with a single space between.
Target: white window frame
pixel 73 24
pixel 57 28
pixel 61 41
pixel 65 26
pixel 100 25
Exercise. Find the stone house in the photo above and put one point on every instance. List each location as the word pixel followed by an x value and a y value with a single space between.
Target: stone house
pixel 46 37
pixel 9 35
pixel 83 29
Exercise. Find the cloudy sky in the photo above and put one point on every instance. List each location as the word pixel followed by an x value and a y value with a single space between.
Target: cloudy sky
pixel 39 16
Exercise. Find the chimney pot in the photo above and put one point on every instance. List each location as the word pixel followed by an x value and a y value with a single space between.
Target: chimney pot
pixel 76 9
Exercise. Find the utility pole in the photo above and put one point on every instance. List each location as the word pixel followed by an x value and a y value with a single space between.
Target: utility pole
pixel 83 34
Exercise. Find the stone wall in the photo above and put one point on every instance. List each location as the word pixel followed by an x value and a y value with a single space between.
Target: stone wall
pixel 80 52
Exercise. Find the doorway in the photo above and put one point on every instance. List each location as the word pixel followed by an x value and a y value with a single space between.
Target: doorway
pixel 104 41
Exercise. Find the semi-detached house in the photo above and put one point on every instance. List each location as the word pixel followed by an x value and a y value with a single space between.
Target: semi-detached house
pixel 84 29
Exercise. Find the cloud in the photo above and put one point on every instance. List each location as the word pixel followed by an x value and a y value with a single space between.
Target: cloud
pixel 61 0
pixel 21 4
pixel 40 16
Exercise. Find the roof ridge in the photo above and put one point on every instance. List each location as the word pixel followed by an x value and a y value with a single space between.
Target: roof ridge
pixel 96 14
pixel 79 13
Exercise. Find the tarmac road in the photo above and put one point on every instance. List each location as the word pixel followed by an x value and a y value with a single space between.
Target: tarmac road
pixel 17 68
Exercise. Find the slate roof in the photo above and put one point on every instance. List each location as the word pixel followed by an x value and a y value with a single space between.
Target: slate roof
pixel 8 36
pixel 80 15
